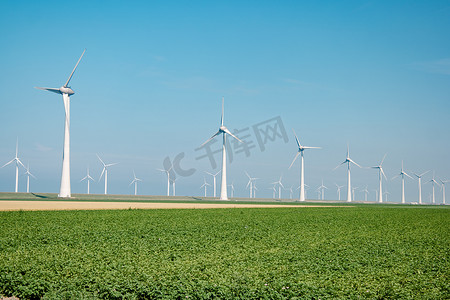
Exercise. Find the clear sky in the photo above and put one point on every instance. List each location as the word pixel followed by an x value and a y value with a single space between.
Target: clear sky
pixel 373 74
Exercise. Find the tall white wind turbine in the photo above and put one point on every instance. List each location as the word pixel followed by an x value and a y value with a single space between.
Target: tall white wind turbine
pixel 403 174
pixel 380 175
pixel 87 178
pixel 224 131
pixel 302 170
pixel 419 178
pixel 28 173
pixel 168 178
pixel 135 181
pixel 214 181
pixel 348 161
pixel 66 92
pixel 105 171
pixel 16 159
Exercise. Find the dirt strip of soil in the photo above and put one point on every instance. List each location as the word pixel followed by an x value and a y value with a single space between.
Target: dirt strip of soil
pixel 65 205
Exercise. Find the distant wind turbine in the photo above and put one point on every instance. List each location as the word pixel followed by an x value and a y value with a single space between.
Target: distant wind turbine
pixel 232 189
pixel 339 187
pixel 214 181
pixel 419 178
pixel 366 192
pixel 224 131
pixel 173 180
pixel 402 174
pixel 105 171
pixel 16 159
pixel 250 183
pixel 434 182
pixel 87 178
pixel 28 173
pixel 348 161
pixel 443 189
pixel 254 190
pixel 380 175
pixel 168 172
pixel 386 193
pixel 66 92
pixel 302 170
pixel 204 185
pixel 322 188
pixel 353 192
pixel 135 181
pixel 280 185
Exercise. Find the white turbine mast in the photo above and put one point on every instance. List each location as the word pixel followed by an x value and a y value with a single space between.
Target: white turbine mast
pixel 380 175
pixel 339 187
pixel 250 183
pixel 419 178
pixel 434 182
pixel 403 174
pixel 168 178
pixel 443 182
pixel 28 173
pixel 302 170
pixel 214 181
pixel 224 131
pixel 87 178
pixel 17 161
pixel 280 185
pixel 135 181
pixel 232 189
pixel 348 161
pixel 105 171
pixel 66 92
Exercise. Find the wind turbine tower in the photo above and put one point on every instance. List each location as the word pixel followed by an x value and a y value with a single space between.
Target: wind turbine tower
pixel 135 181
pixel 66 92
pixel 434 182
pixel 28 173
pixel 16 159
pixel 443 189
pixel 214 181
pixel 339 187
pixel 348 161
pixel 302 170
pixel 204 185
pixel 105 171
pixel 224 131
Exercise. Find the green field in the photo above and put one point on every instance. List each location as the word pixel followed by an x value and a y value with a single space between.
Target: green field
pixel 365 251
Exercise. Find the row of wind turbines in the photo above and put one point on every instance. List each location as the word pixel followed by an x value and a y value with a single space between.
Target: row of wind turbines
pixel 65 186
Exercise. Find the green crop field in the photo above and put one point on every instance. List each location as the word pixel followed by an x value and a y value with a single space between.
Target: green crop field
pixel 364 251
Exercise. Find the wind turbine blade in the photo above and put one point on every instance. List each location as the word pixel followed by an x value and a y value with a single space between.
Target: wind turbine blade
pixel 384 158
pixel 9 162
pixel 296 139
pixel 308 147
pixel 221 117
pixel 214 135
pixel 71 74
pixel 296 155
pixel 394 177
pixel 101 175
pixel 382 172
pixel 57 91
pixel 247 174
pixel 424 173
pixel 339 165
pixel 84 178
pixel 18 160
pixel 354 163
pixel 209 173
pixel 100 159
pixel 228 132
pixel 407 175
pixel 113 164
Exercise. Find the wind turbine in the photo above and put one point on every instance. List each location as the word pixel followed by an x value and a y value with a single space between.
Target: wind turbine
pixel 66 92
pixel 339 187
pixel 250 183
pixel 274 190
pixel 214 181
pixel 353 192
pixel 135 181
pixel 280 185
pixel 302 170
pixel 173 185
pixel 224 131
pixel 28 173
pixel 348 161
pixel 380 175
pixel 419 178
pixel 105 171
pixel 387 193
pixel 232 189
pixel 87 177
pixel 443 189
pixel 322 188
pixel 204 185
pixel 16 159
pixel 366 192
pixel 254 190
pixel 168 178
pixel 434 182
pixel 402 174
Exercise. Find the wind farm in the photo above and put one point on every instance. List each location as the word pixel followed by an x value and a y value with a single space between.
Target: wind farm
pixel 203 155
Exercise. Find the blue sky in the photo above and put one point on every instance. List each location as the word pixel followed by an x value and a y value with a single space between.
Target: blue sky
pixel 373 74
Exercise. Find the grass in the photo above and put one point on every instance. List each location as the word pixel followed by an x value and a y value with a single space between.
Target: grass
pixel 365 251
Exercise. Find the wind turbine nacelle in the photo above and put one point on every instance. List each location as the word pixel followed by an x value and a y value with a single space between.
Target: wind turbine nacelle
pixel 66 90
